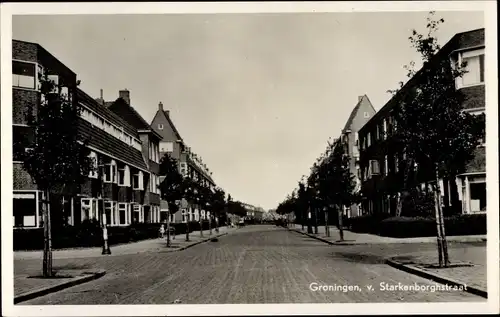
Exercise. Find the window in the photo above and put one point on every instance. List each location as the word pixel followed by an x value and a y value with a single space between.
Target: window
pixel 166 147
pixel 384 130
pixel 85 209
pixel 122 213
pixel 366 114
pixel 184 215
pixel 121 176
pixel 24 208
pixel 137 213
pixel 138 181
pixel 396 163
pixel 375 168
pixel 160 126
pixel 23 74
pixel 386 166
pixel 93 171
pixel 475 69
pixel 368 139
pixel 109 213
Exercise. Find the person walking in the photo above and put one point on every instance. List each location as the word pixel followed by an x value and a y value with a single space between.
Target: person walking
pixel 162 231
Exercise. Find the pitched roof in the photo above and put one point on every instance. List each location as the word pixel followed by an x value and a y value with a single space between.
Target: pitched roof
pixel 354 112
pixel 129 114
pixel 107 114
pixel 102 141
pixel 170 122
pixel 460 41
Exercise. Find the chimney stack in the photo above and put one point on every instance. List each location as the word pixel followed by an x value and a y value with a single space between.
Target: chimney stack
pixel 125 95
pixel 160 106
pixel 359 98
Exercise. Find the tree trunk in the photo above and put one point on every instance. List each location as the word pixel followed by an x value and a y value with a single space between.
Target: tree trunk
pixel 441 238
pixel 315 220
pixel 168 229
pixel 327 228
pixel 217 221
pixel 210 224
pixel 187 226
pixel 47 235
pixel 340 223
pixel 405 192
pixel 456 206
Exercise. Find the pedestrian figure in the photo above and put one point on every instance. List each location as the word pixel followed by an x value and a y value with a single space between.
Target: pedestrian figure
pixel 162 231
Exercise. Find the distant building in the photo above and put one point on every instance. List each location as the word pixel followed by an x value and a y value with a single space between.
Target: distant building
pixel 360 115
pixel 190 164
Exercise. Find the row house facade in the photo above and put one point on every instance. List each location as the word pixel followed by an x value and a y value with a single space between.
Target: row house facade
pixel 190 165
pixel 120 186
pixel 360 115
pixel 382 171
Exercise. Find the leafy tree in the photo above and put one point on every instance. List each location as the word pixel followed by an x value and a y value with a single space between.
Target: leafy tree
pixel 335 183
pixel 58 161
pixel 218 205
pixel 431 126
pixel 171 187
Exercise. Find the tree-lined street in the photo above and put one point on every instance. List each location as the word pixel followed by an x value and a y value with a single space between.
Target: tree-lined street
pixel 255 264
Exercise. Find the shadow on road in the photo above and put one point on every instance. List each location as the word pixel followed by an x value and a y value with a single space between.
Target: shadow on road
pixel 361 258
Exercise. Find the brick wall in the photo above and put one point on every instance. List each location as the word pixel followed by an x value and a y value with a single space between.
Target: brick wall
pixel 21 178
pixel 22 101
pixel 24 51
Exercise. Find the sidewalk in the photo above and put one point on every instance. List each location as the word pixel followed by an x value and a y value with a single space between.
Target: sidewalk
pixel 151 245
pixel 468 267
pixel 28 284
pixel 366 238
pixel 468 264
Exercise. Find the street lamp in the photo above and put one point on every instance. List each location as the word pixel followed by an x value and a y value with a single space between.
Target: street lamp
pixel 105 247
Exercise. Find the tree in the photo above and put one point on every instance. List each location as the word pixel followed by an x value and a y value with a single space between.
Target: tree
pixel 190 193
pixel 431 127
pixel 335 182
pixel 58 161
pixel 218 205
pixel 171 187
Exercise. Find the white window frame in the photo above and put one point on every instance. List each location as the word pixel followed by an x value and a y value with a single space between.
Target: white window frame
pixel 471 54
pixel 123 207
pixel 366 114
pixel 160 126
pixel 93 173
pixel 36 83
pixel 140 185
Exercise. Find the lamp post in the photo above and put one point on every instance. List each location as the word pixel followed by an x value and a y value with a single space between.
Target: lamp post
pixel 327 228
pixel 105 247
pixel 207 204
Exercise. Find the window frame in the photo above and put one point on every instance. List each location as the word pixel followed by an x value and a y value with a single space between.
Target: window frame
pixel 35 74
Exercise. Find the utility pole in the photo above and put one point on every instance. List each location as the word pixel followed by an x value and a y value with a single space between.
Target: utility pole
pixel 105 247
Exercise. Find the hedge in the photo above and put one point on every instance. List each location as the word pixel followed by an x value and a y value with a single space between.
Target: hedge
pixel 89 234
pixel 407 227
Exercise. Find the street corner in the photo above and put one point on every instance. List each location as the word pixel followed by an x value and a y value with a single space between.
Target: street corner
pixel 30 287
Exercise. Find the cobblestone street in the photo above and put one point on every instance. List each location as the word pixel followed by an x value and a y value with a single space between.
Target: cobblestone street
pixel 256 264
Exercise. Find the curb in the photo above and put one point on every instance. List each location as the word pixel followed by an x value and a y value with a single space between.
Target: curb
pixel 324 240
pixel 193 244
pixel 201 241
pixel 436 278
pixel 52 289
pixel 469 240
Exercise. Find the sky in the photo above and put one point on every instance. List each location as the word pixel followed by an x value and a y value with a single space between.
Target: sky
pixel 256 95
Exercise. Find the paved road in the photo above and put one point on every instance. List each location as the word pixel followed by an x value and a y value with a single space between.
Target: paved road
pixel 257 264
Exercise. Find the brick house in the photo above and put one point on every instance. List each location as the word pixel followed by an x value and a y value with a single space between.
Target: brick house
pixel 150 140
pixel 382 175
pixel 362 112
pixel 190 164
pixel 119 185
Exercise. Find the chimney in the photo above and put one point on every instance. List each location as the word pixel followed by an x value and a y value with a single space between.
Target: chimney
pixel 359 98
pixel 102 98
pixel 160 106
pixel 125 95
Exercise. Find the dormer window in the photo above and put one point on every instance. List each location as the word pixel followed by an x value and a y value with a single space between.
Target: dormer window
pixel 474 75
pixel 138 181
pixel 160 126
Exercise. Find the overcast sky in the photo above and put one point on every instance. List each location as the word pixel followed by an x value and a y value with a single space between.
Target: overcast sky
pixel 256 95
